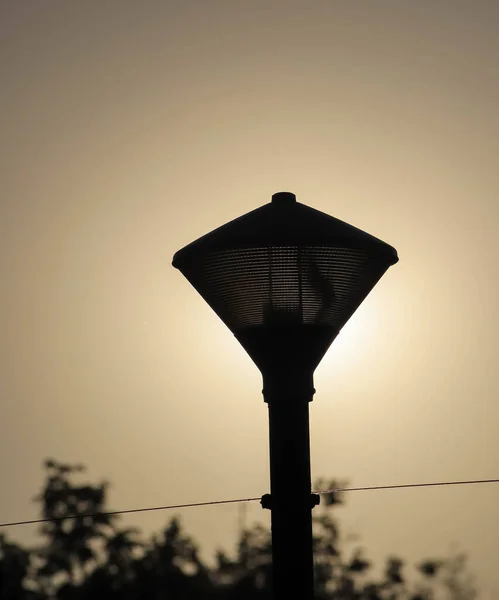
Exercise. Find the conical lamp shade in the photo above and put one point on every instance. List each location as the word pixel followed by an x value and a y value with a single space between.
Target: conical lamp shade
pixel 285 278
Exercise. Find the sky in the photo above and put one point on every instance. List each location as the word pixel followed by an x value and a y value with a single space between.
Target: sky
pixel 131 128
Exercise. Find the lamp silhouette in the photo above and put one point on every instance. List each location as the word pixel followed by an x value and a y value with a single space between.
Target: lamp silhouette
pixel 285 278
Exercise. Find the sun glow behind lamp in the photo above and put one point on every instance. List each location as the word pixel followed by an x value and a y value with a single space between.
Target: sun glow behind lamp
pixel 285 278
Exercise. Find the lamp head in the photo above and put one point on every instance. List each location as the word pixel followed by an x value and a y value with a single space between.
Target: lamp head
pixel 285 278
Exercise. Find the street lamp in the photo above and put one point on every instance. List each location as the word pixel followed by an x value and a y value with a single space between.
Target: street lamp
pixel 285 278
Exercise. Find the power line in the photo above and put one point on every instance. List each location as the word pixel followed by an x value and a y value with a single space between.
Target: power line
pixel 405 485
pixel 194 504
pixel 123 512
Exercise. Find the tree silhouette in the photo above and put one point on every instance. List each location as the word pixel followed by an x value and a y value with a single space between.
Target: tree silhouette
pixel 91 556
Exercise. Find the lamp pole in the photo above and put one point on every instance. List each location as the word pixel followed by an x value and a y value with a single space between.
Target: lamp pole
pixel 285 278
pixel 290 501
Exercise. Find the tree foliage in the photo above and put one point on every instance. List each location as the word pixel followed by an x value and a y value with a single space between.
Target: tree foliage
pixel 91 556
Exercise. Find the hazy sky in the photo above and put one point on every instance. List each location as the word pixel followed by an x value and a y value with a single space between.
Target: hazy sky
pixel 130 128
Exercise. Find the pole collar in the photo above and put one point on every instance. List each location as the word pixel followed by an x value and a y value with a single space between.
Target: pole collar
pixel 267 503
